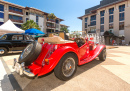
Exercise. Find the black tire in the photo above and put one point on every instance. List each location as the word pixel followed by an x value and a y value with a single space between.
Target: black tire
pixel 58 71
pixel 32 56
pixel 102 55
pixel 4 50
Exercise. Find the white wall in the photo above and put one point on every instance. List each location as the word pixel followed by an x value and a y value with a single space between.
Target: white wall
pixel 32 17
pixel 41 23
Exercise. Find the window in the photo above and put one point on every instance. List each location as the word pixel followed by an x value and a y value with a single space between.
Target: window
pixel 26 13
pixel 15 9
pixel 20 10
pixel 27 19
pixel 110 26
pixel 86 30
pixel 122 8
pixel 37 20
pixel 15 17
pixel 85 25
pixel 102 13
pixel 111 10
pixel 10 17
pixel 86 19
pixel 111 19
pixel 1 15
pixel 18 25
pixel 57 25
pixel 102 20
pixel 10 8
pixel 28 37
pixel 57 21
pixel 20 18
pixel 121 26
pixel 3 37
pixel 121 16
pixel 17 37
pixel 1 7
pixel 93 23
pixel 93 17
pixel 1 23
pixel 102 28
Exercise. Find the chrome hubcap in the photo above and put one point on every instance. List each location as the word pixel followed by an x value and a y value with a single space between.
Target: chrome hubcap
pixel 68 67
pixel 2 51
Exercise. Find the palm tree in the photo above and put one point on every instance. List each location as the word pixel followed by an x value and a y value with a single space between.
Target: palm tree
pixel 29 24
pixel 51 16
pixel 65 29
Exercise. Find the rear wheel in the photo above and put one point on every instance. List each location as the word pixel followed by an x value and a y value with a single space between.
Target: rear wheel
pixel 66 67
pixel 3 51
pixel 102 55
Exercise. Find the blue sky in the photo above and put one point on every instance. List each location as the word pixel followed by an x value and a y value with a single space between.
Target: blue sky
pixel 68 10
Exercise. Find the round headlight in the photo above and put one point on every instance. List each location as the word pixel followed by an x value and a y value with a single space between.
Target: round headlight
pixel 27 50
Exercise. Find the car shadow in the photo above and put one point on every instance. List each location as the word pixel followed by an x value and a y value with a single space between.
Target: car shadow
pixel 49 82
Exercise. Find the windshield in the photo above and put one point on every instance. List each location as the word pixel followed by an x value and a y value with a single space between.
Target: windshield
pixel 3 37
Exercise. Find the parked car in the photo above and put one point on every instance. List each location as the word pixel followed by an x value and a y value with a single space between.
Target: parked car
pixel 13 42
pixel 54 53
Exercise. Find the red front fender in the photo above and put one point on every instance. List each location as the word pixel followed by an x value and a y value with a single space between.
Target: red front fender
pixel 55 58
pixel 93 54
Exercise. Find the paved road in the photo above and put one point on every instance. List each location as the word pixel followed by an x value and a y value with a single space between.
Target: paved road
pixel 110 75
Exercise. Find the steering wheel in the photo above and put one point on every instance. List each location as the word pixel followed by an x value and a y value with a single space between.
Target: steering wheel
pixel 80 41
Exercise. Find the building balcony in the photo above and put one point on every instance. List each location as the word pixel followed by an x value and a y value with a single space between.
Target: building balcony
pixel 91 31
pixel 51 20
pixel 19 21
pixel 15 12
pixel 51 27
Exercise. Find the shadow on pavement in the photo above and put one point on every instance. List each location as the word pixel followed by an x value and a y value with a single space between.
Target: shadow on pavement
pixel 5 84
pixel 49 81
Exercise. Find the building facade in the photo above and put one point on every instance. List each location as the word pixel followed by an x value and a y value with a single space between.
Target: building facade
pixel 19 15
pixel 112 16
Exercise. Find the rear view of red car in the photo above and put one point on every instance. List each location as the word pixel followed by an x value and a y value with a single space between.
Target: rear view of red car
pixel 62 56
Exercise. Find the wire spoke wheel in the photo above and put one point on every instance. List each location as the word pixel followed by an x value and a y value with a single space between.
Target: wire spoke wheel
pixel 68 67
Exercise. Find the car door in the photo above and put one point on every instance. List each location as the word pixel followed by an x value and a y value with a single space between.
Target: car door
pixel 84 51
pixel 17 43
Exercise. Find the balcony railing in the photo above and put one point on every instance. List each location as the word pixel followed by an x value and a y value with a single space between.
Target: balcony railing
pixel 91 31
pixel 15 12
pixel 50 20
pixel 51 27
pixel 20 21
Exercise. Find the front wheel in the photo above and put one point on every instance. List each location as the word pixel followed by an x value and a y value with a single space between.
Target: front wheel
pixel 66 67
pixel 102 55
pixel 3 51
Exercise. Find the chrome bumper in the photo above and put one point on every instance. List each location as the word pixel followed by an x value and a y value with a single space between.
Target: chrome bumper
pixel 20 69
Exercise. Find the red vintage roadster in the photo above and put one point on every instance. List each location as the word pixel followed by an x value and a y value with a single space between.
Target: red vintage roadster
pixel 62 56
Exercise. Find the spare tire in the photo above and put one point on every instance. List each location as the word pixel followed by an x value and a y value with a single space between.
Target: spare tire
pixel 30 53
